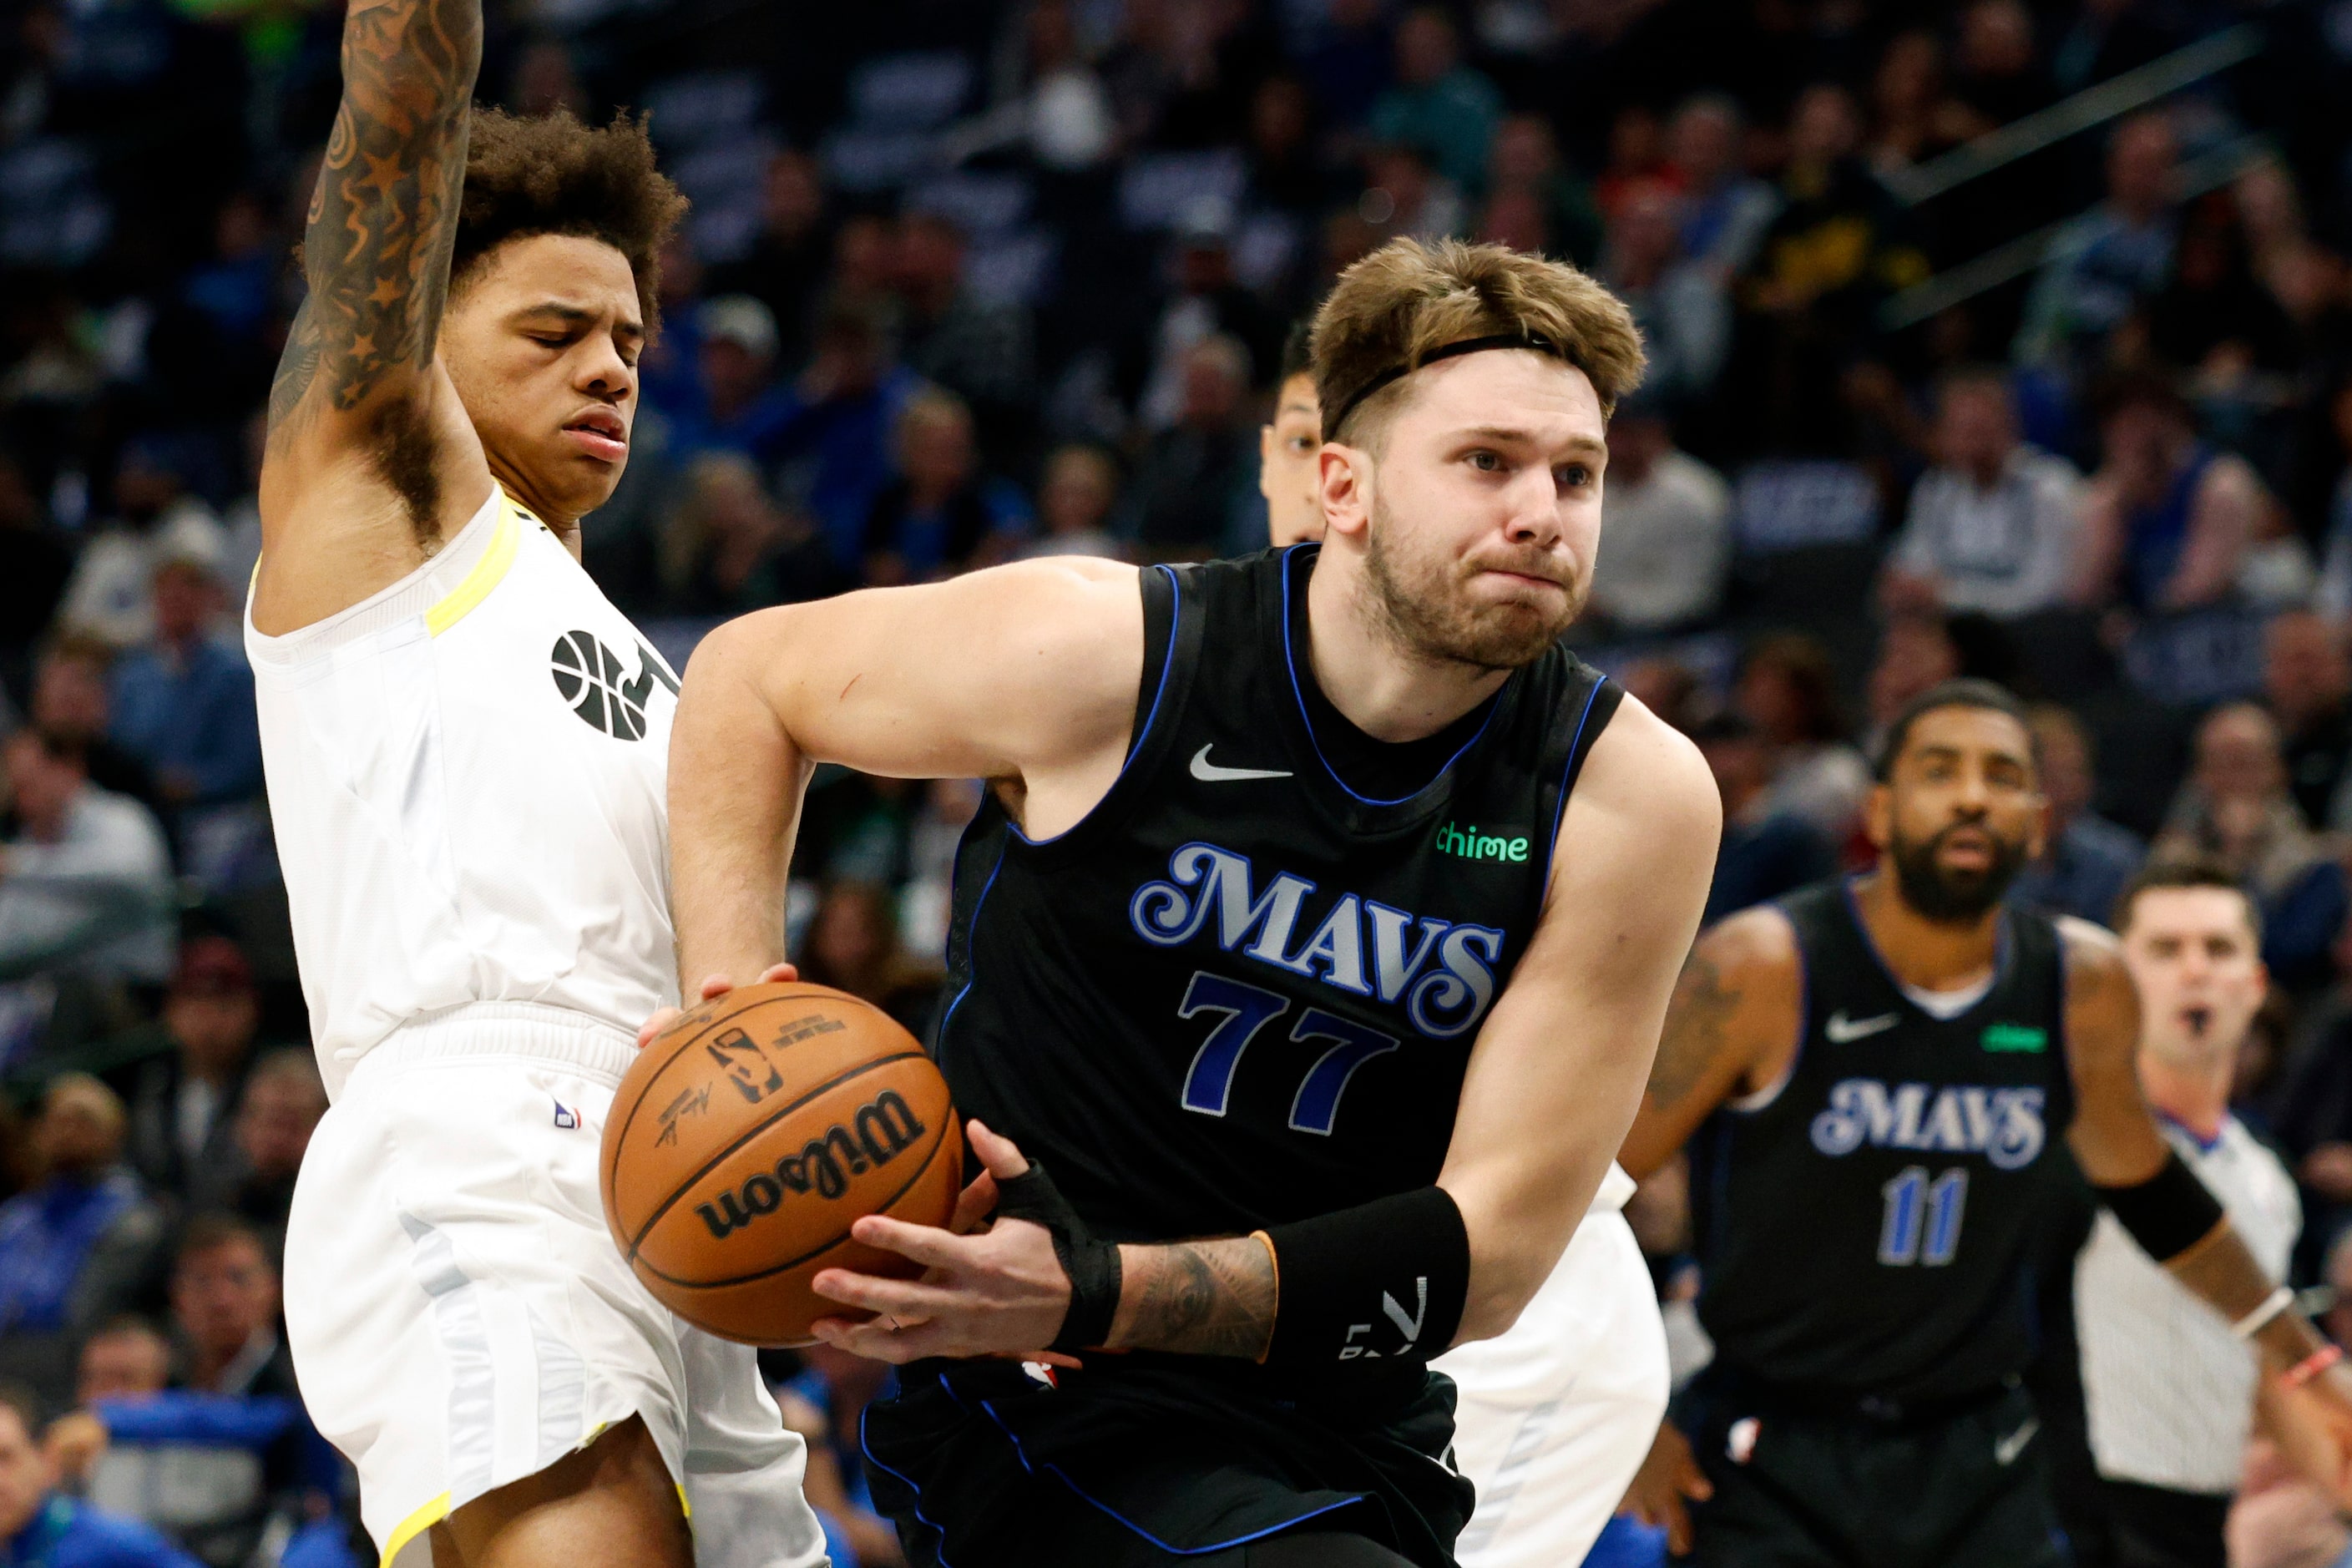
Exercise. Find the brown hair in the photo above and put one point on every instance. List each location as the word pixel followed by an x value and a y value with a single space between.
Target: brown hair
pixel 1393 310
pixel 2186 870
pixel 549 173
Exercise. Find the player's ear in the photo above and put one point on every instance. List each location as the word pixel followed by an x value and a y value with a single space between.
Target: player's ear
pixel 1266 461
pixel 1878 816
pixel 1345 488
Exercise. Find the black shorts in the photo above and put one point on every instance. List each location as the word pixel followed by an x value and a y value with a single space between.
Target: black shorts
pixel 1149 1461
pixel 1964 1487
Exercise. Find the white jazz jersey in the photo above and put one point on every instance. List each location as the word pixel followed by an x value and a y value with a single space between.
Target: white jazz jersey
pixel 466 775
pixel 2167 1390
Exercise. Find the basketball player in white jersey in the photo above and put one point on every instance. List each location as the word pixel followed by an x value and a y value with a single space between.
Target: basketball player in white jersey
pixel 466 747
pixel 1551 1417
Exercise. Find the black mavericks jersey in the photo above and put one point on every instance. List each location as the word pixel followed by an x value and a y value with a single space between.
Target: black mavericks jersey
pixel 1239 992
pixel 1871 1231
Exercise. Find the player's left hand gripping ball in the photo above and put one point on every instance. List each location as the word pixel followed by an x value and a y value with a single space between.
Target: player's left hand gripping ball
pixel 998 1291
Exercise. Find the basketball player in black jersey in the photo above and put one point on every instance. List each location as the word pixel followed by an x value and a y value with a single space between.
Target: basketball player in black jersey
pixel 1872 1078
pixel 1323 909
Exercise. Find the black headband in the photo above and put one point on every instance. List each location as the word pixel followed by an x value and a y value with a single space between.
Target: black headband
pixel 1535 341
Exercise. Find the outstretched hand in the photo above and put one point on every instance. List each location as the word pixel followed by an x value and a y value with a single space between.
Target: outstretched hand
pixel 998 1290
pixel 713 987
pixel 1668 1481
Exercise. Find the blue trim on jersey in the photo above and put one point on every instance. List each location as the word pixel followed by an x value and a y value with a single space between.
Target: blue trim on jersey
pixel 2000 956
pixel 971 942
pixel 1151 714
pixel 1566 768
pixel 907 1482
pixel 1063 1476
pixel 1290 658
pixel 2204 1145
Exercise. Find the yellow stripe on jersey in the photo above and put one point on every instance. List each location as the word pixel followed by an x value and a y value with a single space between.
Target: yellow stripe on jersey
pixel 486 572
pixel 414 1525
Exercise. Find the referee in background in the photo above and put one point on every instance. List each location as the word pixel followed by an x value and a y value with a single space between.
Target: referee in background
pixel 2170 1391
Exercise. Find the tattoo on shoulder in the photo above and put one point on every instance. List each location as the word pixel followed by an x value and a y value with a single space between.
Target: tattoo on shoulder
pixel 1699 1021
pixel 1200 1297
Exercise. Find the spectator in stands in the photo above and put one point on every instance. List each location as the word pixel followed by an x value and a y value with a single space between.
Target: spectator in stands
pixel 1438 104
pixel 86 886
pixel 2085 859
pixel 1206 299
pixel 727 547
pixel 1788 689
pixel 1195 477
pixel 76 1244
pixel 1665 537
pixel 1726 209
pixel 72 702
pixel 109 595
pixel 738 407
pixel 853 945
pixel 1533 202
pixel 985 354
pixel 785 268
pixel 1997 75
pixel 35 562
pixel 40 1525
pixel 1993 526
pixel 280 1109
pixel 2111 258
pixel 182 701
pixel 1682 306
pixel 2307 686
pixel 1917 651
pixel 123 1358
pixel 834 455
pixel 941 515
pixel 2165 519
pixel 2236 805
pixel 1765 852
pixel 1350 58
pixel 1911 118
pixel 183 1098
pixel 1074 505
pixel 2333 598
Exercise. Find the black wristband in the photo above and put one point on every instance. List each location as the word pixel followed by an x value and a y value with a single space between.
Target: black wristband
pixel 1385 1280
pixel 1093 1266
pixel 2169 1213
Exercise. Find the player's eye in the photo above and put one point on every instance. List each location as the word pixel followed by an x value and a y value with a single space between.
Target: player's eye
pixel 1575 476
pixel 1486 462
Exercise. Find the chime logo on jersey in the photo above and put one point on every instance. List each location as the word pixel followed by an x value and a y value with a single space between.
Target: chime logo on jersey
pixel 2003 1124
pixel 1443 973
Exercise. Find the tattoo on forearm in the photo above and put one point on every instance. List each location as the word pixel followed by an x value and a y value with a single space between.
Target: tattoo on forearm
pixel 383 215
pixel 1198 1298
pixel 1698 1021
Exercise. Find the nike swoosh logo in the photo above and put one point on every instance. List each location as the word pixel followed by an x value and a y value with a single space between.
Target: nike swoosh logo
pixel 2005 1451
pixel 1208 772
pixel 1841 1029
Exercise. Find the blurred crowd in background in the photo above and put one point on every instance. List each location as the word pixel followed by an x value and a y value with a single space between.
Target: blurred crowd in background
pixel 1987 338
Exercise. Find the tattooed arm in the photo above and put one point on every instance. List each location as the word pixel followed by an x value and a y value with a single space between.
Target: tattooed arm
pixel 1197 1297
pixel 370 458
pixel 1731 1029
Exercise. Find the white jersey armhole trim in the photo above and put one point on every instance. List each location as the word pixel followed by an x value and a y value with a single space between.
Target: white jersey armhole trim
pixel 445 575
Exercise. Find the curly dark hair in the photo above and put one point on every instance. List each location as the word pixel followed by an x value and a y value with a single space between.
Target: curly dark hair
pixel 549 173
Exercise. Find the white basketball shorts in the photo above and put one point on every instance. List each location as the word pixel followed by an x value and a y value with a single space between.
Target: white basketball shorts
pixel 460 1319
pixel 1555 1415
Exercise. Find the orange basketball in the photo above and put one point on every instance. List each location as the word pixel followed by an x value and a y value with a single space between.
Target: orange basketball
pixel 749 1135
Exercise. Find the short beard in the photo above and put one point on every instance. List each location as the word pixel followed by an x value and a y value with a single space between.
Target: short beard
pixel 1953 898
pixel 1420 604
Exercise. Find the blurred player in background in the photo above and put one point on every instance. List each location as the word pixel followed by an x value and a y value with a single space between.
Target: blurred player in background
pixel 1876 1073
pixel 464 745
pixel 1551 1418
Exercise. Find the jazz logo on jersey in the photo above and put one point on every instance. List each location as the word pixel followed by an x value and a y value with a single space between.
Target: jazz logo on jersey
pixel 2003 1124
pixel 588 677
pixel 1443 973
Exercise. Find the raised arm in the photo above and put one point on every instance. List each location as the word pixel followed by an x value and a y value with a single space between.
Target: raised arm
pixel 368 450
pixel 1025 675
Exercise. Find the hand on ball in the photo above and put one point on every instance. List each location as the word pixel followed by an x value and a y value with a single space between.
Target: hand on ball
pixel 994 1291
pixel 713 987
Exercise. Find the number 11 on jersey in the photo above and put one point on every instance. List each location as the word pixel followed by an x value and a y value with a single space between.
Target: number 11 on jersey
pixel 1900 1233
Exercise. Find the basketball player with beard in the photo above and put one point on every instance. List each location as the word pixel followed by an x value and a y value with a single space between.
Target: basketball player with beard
pixel 1872 1077
pixel 465 744
pixel 1314 940
pixel 1552 1419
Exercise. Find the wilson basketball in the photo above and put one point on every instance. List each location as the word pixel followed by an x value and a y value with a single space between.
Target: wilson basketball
pixel 751 1134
